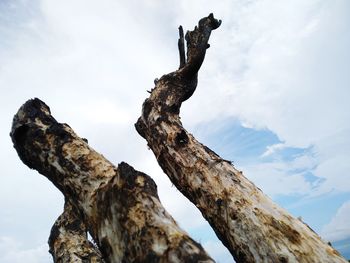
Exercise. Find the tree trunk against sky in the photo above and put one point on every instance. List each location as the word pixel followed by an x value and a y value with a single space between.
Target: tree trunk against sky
pixel 249 224
pixel 68 240
pixel 118 205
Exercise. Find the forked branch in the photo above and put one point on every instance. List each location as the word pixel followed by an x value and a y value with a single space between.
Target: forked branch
pixel 248 223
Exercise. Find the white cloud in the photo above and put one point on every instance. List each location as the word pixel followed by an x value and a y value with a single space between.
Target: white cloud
pixel 333 153
pixel 271 149
pixel 102 111
pixel 277 178
pixel 11 251
pixel 281 66
pixel 338 228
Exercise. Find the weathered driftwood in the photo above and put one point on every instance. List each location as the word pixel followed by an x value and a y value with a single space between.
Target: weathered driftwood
pixel 119 206
pixel 249 224
pixel 68 240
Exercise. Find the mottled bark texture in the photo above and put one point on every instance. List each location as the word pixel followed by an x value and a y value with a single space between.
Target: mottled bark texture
pixel 119 205
pixel 249 224
pixel 68 240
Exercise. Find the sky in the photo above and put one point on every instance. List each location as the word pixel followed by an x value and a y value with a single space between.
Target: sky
pixel 273 97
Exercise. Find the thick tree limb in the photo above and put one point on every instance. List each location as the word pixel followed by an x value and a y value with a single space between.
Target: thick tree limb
pixel 248 223
pixel 68 240
pixel 120 206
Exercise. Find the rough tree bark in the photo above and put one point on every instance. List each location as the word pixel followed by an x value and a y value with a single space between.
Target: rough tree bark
pixel 68 240
pixel 249 224
pixel 118 205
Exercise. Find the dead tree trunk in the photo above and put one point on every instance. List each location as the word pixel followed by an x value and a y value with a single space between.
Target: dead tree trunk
pixel 119 206
pixel 68 240
pixel 248 223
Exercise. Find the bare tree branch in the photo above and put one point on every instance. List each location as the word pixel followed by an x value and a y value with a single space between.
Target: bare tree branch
pixel 68 240
pixel 248 223
pixel 120 205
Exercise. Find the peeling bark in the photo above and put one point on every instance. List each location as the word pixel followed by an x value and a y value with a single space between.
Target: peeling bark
pixel 68 240
pixel 249 224
pixel 120 206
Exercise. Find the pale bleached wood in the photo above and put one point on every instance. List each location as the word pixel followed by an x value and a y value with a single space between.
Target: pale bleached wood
pixel 249 224
pixel 119 205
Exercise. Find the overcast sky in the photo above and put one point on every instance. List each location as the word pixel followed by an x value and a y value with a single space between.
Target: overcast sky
pixel 273 96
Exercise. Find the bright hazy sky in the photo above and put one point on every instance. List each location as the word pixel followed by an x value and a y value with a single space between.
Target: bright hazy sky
pixel 273 96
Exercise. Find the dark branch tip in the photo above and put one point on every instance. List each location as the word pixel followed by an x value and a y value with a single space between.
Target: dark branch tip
pixel 215 23
pixel 181 31
pixel 181 46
